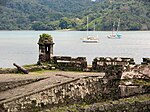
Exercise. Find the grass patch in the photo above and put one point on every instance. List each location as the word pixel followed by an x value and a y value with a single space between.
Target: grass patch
pixel 81 107
pixel 30 65
pixel 70 108
pixel 141 82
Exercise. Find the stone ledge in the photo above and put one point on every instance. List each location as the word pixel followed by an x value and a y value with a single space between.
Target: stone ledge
pixel 131 104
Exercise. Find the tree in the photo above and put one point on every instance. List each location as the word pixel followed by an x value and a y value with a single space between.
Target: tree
pixel 134 26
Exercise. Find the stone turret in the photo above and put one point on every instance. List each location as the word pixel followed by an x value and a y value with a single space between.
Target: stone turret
pixel 45 47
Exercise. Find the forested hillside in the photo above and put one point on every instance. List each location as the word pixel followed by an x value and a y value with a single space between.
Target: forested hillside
pixel 71 14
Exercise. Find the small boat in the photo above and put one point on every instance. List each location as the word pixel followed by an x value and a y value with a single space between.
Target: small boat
pixel 90 39
pixel 116 35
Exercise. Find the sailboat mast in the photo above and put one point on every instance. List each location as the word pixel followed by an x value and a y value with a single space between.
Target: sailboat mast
pixel 118 25
pixel 87 26
pixel 113 28
pixel 94 29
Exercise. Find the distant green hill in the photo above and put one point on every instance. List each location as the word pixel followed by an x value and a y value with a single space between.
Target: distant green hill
pixel 71 14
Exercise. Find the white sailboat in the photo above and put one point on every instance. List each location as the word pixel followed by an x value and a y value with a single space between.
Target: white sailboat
pixel 89 38
pixel 116 35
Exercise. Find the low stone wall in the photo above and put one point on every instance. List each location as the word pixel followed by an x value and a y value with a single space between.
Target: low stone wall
pixel 69 63
pixel 79 64
pixel 87 89
pixel 133 86
pixel 78 90
pixel 146 61
pixel 100 63
pixel 131 90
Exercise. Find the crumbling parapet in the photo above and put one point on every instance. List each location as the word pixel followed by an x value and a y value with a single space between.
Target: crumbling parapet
pixel 45 47
pixel 100 63
pixel 69 63
pixel 146 61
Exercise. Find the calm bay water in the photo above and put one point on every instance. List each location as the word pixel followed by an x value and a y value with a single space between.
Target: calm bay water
pixel 21 46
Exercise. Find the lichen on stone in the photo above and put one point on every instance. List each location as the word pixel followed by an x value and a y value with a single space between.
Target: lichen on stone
pixel 45 39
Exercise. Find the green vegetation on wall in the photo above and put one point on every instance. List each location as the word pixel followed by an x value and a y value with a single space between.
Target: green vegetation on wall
pixel 45 38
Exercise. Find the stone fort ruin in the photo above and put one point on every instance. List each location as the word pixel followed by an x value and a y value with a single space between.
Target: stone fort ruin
pixel 105 86
pixel 80 64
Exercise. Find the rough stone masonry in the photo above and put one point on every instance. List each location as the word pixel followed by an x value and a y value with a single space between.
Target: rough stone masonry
pixel 88 89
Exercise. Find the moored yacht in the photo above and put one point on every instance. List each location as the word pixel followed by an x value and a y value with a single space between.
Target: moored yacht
pixel 89 38
pixel 116 35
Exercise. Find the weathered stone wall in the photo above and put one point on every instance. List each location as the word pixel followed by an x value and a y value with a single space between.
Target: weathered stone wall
pixel 69 63
pixel 112 79
pixel 87 89
pixel 78 90
pixel 77 64
pixel 100 63
pixel 146 61
pixel 131 90
pixel 133 104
